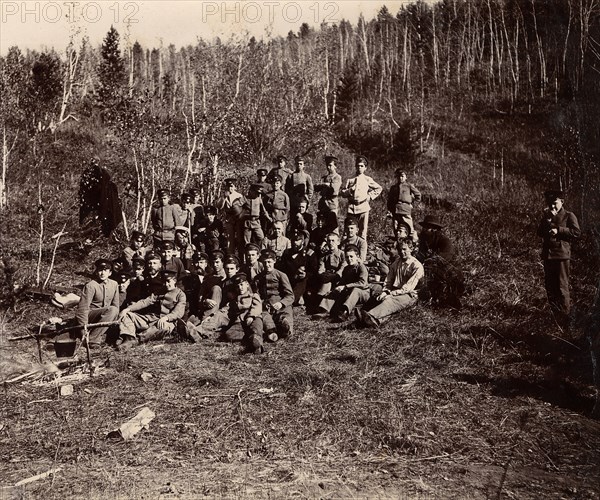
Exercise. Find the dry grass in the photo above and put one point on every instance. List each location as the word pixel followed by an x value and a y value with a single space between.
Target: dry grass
pixel 489 402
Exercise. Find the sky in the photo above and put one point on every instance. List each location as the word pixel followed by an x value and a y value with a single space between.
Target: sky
pixel 48 24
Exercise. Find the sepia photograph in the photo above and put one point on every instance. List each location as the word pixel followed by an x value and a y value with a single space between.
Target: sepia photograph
pixel 300 249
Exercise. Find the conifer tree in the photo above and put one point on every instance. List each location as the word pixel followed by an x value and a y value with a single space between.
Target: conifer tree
pixel 112 67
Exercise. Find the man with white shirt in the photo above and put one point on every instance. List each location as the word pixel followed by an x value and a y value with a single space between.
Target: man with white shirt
pixel 360 190
pixel 400 289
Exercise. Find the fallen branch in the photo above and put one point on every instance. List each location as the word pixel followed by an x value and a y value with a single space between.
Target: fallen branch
pixel 43 475
pixel 57 237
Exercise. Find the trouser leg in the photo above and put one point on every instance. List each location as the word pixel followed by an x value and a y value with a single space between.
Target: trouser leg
pixel 363 224
pixel 132 322
pixel 284 321
pixel 556 281
pixel 391 305
pixel 355 297
pixel 101 315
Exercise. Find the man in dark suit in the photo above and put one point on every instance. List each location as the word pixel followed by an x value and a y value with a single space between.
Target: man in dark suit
pixel 558 228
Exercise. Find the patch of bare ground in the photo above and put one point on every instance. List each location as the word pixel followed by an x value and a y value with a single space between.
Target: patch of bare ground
pixel 435 404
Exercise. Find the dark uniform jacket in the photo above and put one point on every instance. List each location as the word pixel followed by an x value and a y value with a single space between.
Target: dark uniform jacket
pixel 274 287
pixel 401 198
pixel 558 247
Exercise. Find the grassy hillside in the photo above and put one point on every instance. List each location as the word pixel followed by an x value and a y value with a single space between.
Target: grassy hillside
pixel 491 401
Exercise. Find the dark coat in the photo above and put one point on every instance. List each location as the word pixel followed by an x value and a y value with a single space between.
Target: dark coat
pixel 558 247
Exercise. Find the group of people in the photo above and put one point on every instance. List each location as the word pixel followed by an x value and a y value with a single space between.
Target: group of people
pixel 237 269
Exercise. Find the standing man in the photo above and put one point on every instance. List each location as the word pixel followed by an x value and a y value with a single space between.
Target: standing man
pixel 299 185
pixel 165 217
pixel 279 170
pixel 329 188
pixel 360 190
pixel 558 228
pixel 401 199
pixel 232 207
pixel 99 302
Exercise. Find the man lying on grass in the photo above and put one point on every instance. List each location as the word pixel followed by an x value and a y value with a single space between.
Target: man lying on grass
pixel 400 290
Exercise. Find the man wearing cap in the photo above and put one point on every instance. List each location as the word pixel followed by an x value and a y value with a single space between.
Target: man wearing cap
pixel 558 228
pixel 293 263
pixel 165 217
pixel 330 267
pixel 170 262
pixel 123 279
pixel 360 190
pixel 444 282
pixel 231 205
pixel 209 233
pixel 329 188
pixel 400 289
pixel 261 180
pixel 299 185
pixel 136 247
pixel 153 317
pixel 99 302
pixel 136 290
pixel 401 199
pixel 277 295
pixel 192 283
pixel 351 237
pixel 279 170
pixel 210 294
pixel 351 290
pixel 256 211
pixel 240 319
pixel 187 211
pixel 277 203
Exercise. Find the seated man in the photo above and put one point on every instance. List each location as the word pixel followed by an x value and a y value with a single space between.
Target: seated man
pixel 293 263
pixel 301 220
pixel 99 302
pixel 136 290
pixel 352 238
pixel 209 233
pixel 170 262
pixel 444 281
pixel 193 283
pixel 183 248
pixel 329 271
pixel 277 242
pixel 400 289
pixel 252 265
pixel 352 289
pixel 240 319
pixel 277 295
pixel 153 282
pixel 229 287
pixel 210 293
pixel 136 247
pixel 153 317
